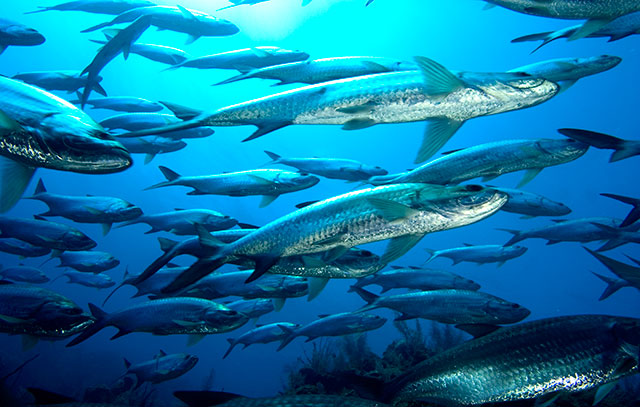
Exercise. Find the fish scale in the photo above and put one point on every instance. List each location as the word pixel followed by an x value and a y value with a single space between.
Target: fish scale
pixel 525 361
pixel 571 9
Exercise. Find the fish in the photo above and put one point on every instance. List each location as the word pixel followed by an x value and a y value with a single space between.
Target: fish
pixel 567 71
pixel 416 278
pixel 154 52
pixel 461 307
pixel 89 280
pixel 125 104
pixel 22 249
pixel 236 3
pixel 114 7
pixel 67 81
pixel 634 214
pixel 161 368
pixel 24 274
pixel 152 285
pixel 269 183
pixel 324 70
pixel 37 312
pixel 529 360
pixel 333 168
pixel 598 13
pixel 622 148
pixel 14 33
pixel 570 230
pixel 38 129
pixel 629 275
pixel 43 233
pixel 194 23
pixel 490 160
pixel 119 43
pixel 183 221
pixel 152 146
pixel 214 398
pixel 432 94
pixel 252 309
pixel 401 212
pixel 261 334
pixel 103 210
pixel 244 59
pixel 88 261
pixel 618 29
pixel 137 121
pixel 342 324
pixel 479 254
pixel 618 236
pixel 530 204
pixel 169 316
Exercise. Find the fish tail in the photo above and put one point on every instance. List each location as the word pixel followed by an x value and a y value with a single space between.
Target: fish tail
pixel 291 335
pixel 154 267
pixel 623 149
pixel 102 319
pixel 169 174
pixel 369 297
pixel 517 236
pixel 236 78
pixel 634 215
pixel 199 269
pixel 613 285
pixel 232 344
pixel 432 254
pixel 96 27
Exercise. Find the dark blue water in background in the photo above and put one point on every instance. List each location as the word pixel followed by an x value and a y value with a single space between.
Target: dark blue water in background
pixel 549 280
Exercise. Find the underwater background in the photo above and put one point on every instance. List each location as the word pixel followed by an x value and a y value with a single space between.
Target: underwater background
pixel 550 280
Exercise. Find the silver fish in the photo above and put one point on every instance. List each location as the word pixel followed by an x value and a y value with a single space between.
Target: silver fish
pixel 126 104
pixel 88 261
pixel 183 221
pixel 89 280
pixel 152 146
pixel 254 308
pixel 629 275
pixel 24 274
pixel 68 81
pixel 244 59
pixel 22 249
pixel 13 33
pixel 262 334
pixel 530 204
pixel 479 254
pixel 44 233
pixel 161 368
pixel 416 278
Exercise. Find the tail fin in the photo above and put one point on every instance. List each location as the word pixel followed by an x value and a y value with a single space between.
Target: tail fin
pixel 291 335
pixel 623 149
pixel 170 175
pixel 369 297
pixel 613 285
pixel 185 125
pixel 634 215
pixel 517 236
pixel 199 269
pixel 240 77
pixel 204 398
pixel 102 319
pixel 232 344
pixel 432 254
pixel 624 271
pixel 275 157
pixel 182 112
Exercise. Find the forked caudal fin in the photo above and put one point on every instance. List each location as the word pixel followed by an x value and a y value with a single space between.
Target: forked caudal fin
pixel 634 215
pixel 623 148
pixel 102 320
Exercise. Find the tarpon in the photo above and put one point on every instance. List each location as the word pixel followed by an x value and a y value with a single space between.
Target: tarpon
pixel 183 221
pixel 417 279
pixel 152 146
pixel 89 280
pixel 244 59
pixel 88 261
pixel 43 233
pixel 530 204
pixel 622 148
pixel 24 274
pixel 126 104
pixel 479 254
pixel 68 81
pixel 22 249
pixel 254 308
pixel 13 33
pixel 161 368
pixel 261 334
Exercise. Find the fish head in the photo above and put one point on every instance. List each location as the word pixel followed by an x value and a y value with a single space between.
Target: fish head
pixel 462 283
pixel 222 316
pixel 562 150
pixel 558 208
pixel 518 92
pixel 517 250
pixel 469 203
pixel 76 240
pixel 212 26
pixel 370 321
pixel 373 170
pixel 299 180
pixel 504 312
pixel 18 34
pixel 125 210
pixel 217 221
pixel 186 362
pixel 601 63
pixel 62 315
pixel 292 55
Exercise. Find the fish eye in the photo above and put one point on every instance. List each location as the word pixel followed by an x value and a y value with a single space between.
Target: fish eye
pixel 304 174
pixel 514 306
pixel 473 188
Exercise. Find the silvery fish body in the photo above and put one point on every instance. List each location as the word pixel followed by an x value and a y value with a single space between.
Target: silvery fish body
pixel 325 70
pixel 159 53
pixel 252 308
pixel 182 221
pixel 168 316
pixel 114 7
pixel 13 33
pixel 68 81
pixel 162 367
pixel 152 145
pixel 480 254
pixel 490 160
pixel 154 284
pixel 194 23
pixel 417 279
pixel 138 121
pixel 23 249
pixel 88 261
pixel 44 233
pixel 244 59
pixel 531 204
pixel 448 306
pixel 355 263
pixel 89 280
pixel 569 69
pixel 262 334
pixel 571 9
pixel 126 104
pixel 30 310
pixel 233 284
pixel 24 274
pixel 526 361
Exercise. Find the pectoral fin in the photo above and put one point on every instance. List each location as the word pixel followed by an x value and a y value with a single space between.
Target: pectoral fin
pixel 436 135
pixel 316 285
pixel 528 176
pixel 398 246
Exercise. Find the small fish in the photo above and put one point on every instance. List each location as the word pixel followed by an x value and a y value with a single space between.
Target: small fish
pixel 619 28
pixel 126 104
pixel 170 316
pixel 161 368
pixel 215 398
pixel 87 209
pixel 152 146
pixel 266 182
pixel 416 278
pixel 183 221
pixel 194 23
pixel 13 33
pixel 22 249
pixel 88 261
pixel 114 7
pixel 120 43
pixel 324 70
pixel 334 168
pixel 618 236
pixel 529 360
pixel 261 334
pixel 598 13
pixel 460 307
pixel 244 59
pixel 479 254
pixel 34 311
pixel 530 204
pixel 333 325
pixel 24 274
pixel 44 233
pixel 622 148
pixel 89 280
pixel 68 81
pixel 252 309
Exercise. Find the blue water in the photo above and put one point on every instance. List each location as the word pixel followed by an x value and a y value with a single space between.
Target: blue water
pixel 549 280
